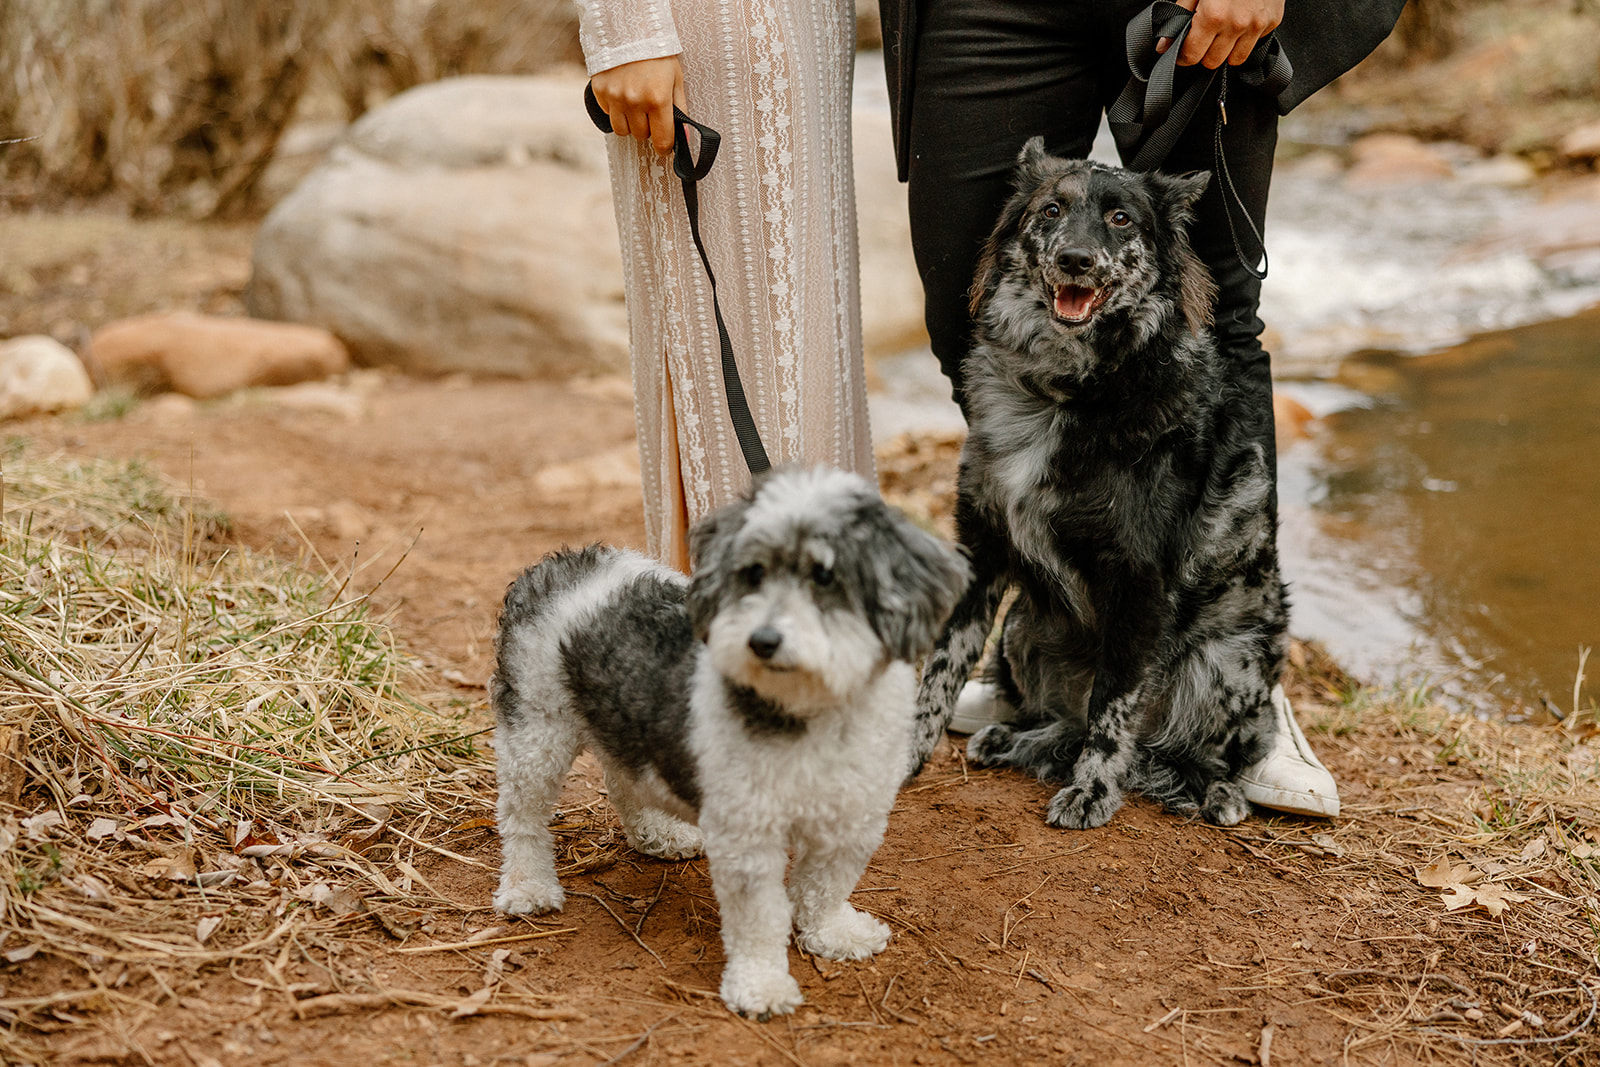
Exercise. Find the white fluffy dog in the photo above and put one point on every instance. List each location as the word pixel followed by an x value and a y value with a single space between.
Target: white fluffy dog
pixel 762 709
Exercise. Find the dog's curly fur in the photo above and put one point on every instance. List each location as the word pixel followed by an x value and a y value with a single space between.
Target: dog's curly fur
pixel 1118 480
pixel 751 712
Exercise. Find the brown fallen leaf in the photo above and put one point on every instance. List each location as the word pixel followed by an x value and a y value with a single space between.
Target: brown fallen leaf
pixel 1444 872
pixel 1495 898
pixel 1492 897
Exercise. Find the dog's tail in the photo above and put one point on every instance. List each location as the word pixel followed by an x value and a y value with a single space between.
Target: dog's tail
pixel 529 599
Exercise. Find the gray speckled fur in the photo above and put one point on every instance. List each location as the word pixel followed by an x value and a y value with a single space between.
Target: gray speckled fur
pixel 1116 478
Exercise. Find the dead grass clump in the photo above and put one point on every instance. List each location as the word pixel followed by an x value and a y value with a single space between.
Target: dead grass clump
pixel 168 103
pixel 201 750
pixel 388 46
pixel 179 104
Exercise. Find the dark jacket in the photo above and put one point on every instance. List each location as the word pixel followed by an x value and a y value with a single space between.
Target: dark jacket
pixel 1322 38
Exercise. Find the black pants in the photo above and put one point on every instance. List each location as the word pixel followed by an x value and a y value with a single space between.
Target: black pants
pixel 992 73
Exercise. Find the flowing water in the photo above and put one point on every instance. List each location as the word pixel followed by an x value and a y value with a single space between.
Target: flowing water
pixel 1440 524
pixel 1446 529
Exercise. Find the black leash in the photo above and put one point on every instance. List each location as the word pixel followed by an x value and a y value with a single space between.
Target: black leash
pixel 1147 118
pixel 690 170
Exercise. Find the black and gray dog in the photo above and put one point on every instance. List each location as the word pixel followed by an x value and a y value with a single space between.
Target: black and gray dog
pixel 1118 480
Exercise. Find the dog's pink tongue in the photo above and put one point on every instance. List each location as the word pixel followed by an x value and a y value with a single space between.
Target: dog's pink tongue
pixel 1073 302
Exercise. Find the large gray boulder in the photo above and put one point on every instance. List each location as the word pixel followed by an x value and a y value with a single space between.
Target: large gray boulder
pixel 467 226
pixel 464 226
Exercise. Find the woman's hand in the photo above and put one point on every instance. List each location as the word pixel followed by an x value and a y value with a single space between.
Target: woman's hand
pixel 639 98
pixel 1224 31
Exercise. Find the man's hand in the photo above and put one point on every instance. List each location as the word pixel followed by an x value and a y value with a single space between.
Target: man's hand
pixel 639 98
pixel 1224 31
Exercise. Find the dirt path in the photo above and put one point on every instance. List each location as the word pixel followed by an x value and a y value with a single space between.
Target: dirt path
pixel 1150 941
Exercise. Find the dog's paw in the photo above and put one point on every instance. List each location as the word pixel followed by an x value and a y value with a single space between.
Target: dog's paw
pixel 525 896
pixel 759 992
pixel 661 835
pixel 990 745
pixel 847 935
pixel 1225 804
pixel 1082 807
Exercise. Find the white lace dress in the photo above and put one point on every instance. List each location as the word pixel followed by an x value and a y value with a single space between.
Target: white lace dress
pixel 777 214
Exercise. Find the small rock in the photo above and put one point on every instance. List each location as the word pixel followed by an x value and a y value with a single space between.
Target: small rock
pixel 1581 145
pixel 1500 170
pixel 1290 418
pixel 168 409
pixel 616 469
pixel 322 398
pixel 208 356
pixel 1383 159
pixel 39 374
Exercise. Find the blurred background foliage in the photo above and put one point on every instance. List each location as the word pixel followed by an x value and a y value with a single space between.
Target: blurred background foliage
pixel 180 105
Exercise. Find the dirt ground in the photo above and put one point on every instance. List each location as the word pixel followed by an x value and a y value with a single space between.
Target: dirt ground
pixel 1149 941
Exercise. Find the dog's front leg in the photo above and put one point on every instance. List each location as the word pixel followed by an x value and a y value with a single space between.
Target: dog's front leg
pixel 961 643
pixel 820 883
pixel 747 875
pixel 1131 606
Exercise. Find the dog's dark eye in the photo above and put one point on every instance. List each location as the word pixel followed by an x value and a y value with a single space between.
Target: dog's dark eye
pixel 753 574
pixel 1052 211
pixel 1120 218
pixel 822 574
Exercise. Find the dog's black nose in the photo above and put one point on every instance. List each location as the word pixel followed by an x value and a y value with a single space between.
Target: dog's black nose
pixel 1075 260
pixel 764 641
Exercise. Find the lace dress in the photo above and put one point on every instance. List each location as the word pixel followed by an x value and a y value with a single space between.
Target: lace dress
pixel 777 214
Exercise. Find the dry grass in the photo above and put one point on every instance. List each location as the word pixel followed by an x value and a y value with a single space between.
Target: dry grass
pixel 179 104
pixel 200 750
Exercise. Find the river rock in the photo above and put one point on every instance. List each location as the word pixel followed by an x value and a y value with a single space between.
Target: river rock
pixel 206 356
pixel 1382 159
pixel 40 374
pixel 467 226
pixel 1291 420
pixel 1581 145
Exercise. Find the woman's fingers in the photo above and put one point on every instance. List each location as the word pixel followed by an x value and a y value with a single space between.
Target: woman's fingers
pixel 639 97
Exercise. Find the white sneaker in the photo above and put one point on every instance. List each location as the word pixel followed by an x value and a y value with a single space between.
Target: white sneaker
pixel 980 704
pixel 1290 777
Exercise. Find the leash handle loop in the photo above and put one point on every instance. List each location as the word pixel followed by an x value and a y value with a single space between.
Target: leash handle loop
pixel 690 169
pixel 1149 116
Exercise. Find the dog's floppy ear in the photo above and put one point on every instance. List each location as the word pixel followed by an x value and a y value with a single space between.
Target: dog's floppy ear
pixel 1176 196
pixel 710 541
pixel 910 580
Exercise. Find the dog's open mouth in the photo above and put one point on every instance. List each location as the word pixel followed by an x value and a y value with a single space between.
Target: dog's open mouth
pixel 1078 303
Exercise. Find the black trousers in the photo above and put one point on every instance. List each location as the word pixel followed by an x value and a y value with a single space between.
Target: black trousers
pixel 992 73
